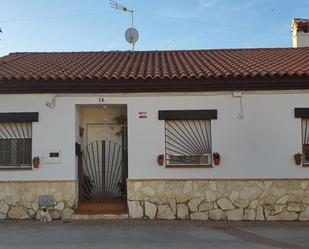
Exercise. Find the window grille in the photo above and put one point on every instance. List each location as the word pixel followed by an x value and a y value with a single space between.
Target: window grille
pixel 188 142
pixel 15 144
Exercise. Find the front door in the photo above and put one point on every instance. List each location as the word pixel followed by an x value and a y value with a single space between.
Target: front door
pixel 103 169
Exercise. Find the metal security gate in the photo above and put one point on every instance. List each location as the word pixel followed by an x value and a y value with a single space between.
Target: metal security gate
pixel 103 171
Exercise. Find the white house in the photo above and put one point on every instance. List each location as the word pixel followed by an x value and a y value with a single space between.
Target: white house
pixel 98 121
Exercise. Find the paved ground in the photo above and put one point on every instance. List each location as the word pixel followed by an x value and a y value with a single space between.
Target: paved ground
pixel 153 235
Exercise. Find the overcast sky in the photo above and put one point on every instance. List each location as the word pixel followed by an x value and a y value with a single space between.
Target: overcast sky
pixel 87 25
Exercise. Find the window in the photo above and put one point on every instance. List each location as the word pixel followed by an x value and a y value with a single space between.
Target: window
pixel 188 142
pixel 305 140
pixel 15 144
pixel 188 137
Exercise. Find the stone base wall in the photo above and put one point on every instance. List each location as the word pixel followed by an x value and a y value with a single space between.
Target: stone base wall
pixel 219 199
pixel 19 200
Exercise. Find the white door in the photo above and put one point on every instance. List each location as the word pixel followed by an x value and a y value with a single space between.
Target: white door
pixel 106 132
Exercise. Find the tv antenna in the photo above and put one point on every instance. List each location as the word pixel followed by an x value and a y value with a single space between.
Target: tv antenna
pixel 131 34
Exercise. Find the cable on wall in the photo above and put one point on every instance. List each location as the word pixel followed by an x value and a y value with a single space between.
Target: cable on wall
pixel 52 104
pixel 239 95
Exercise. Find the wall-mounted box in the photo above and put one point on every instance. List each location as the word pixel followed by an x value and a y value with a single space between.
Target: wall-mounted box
pixel 52 156
pixel 46 200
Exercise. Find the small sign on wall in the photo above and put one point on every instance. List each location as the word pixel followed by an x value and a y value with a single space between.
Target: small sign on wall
pixel 101 99
pixel 53 156
pixel 142 114
pixel 46 200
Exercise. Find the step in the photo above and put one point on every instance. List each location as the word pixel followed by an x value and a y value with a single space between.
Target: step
pixel 95 208
pixel 99 216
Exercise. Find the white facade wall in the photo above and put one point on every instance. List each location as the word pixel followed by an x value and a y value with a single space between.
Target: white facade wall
pixel 261 145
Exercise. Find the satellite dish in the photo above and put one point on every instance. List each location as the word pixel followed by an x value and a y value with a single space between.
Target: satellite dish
pixel 131 35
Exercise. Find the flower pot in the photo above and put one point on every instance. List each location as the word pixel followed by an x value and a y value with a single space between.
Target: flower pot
pixel 161 161
pixel 297 160
pixel 36 164
pixel 216 161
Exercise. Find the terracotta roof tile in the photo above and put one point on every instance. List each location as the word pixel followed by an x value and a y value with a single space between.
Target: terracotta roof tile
pixel 156 64
pixel 189 65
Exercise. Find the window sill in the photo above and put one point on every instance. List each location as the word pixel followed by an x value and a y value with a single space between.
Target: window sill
pixel 306 165
pixel 190 166
pixel 28 167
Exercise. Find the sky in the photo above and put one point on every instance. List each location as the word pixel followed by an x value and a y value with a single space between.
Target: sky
pixel 92 25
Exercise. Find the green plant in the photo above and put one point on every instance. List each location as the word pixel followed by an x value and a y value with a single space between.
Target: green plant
pixel 298 158
pixel 161 156
pixel 36 159
pixel 122 119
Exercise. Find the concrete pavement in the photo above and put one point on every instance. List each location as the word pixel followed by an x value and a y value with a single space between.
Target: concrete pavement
pixel 152 235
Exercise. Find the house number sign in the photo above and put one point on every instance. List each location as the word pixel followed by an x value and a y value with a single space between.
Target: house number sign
pixel 101 100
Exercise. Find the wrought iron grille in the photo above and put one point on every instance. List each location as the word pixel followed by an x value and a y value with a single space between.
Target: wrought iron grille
pixel 305 139
pixel 188 142
pixel 103 171
pixel 15 144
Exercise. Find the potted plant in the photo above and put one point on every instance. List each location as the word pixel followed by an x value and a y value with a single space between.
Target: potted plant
pixel 120 119
pixel 216 158
pixel 160 159
pixel 36 162
pixel 298 158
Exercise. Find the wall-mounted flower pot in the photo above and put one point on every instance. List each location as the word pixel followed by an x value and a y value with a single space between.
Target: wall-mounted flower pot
pixel 298 159
pixel 216 158
pixel 216 161
pixel 36 164
pixel 160 160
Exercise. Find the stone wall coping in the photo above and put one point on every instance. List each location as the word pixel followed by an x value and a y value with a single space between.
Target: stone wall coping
pixel 36 181
pixel 219 179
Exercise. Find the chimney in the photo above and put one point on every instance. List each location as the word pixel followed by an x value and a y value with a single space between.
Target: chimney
pixel 300 32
